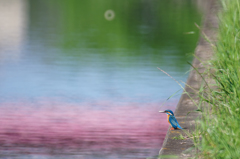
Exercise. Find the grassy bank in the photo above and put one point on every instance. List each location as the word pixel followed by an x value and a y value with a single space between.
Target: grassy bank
pixel 219 130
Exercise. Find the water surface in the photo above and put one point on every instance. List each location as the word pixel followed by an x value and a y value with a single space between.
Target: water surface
pixel 80 78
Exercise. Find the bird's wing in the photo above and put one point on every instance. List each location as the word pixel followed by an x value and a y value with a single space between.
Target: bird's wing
pixel 174 122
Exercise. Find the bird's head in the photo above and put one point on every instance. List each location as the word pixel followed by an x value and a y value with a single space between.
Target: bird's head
pixel 168 112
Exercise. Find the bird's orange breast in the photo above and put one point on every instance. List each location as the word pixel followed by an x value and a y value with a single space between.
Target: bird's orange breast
pixel 168 119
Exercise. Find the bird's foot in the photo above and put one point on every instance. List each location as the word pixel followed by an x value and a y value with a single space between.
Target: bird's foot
pixel 172 129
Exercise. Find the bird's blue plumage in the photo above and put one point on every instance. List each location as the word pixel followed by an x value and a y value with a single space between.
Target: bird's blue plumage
pixel 173 122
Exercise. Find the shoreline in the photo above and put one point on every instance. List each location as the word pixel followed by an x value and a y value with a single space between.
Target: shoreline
pixel 171 145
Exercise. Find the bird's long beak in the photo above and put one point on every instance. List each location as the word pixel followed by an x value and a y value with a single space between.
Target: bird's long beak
pixel 162 112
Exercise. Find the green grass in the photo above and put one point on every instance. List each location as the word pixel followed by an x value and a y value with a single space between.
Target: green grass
pixel 218 134
pixel 180 137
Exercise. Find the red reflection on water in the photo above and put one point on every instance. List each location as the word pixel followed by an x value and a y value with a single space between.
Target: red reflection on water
pixel 103 127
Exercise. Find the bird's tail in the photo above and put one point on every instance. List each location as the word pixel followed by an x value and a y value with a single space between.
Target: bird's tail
pixel 179 127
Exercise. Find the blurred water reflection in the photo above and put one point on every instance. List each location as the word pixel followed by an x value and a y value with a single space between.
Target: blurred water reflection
pixel 80 78
pixel 69 129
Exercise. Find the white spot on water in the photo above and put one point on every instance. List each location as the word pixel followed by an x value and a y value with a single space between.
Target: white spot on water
pixel 109 15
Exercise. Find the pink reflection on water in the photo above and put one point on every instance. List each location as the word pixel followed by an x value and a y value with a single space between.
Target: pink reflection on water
pixel 102 127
